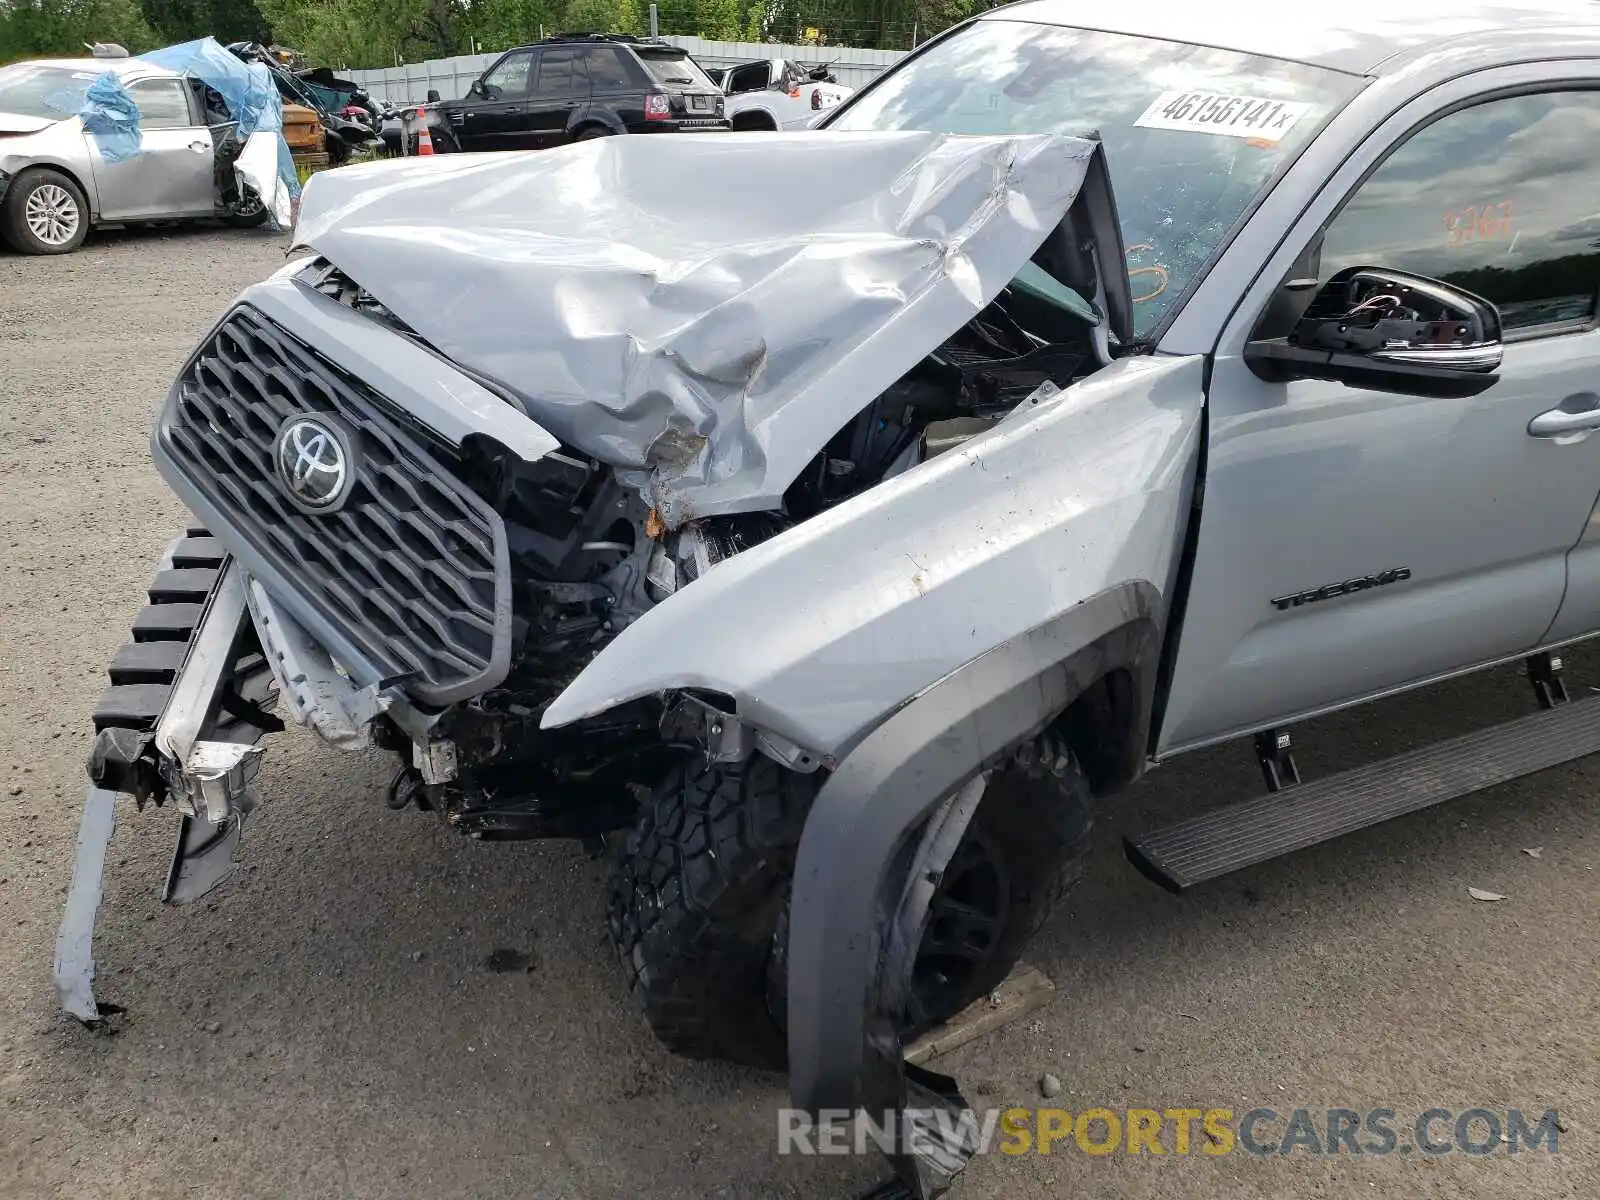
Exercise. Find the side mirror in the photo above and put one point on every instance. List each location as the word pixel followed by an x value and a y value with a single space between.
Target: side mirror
pixel 476 90
pixel 1390 331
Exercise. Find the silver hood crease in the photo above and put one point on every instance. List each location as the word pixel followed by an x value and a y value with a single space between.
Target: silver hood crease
pixel 703 339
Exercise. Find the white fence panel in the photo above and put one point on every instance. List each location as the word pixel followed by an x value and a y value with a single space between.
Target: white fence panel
pixel 854 66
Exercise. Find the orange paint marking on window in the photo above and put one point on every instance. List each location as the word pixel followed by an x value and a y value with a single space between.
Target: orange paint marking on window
pixel 1491 222
pixel 1161 284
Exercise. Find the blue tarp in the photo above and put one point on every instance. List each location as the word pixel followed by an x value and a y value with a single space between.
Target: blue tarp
pixel 246 88
pixel 110 114
pixel 106 110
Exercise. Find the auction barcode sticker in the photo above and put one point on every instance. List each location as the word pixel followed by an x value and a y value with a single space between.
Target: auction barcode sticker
pixel 1228 116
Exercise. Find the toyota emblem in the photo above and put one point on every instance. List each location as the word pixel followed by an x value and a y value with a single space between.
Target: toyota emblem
pixel 313 461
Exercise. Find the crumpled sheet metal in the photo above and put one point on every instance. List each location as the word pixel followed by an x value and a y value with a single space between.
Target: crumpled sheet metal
pixel 261 165
pixel 702 313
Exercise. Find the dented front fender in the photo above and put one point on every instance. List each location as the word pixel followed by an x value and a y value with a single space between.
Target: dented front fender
pixel 823 631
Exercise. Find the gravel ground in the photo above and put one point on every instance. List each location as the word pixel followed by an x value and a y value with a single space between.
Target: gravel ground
pixel 325 1025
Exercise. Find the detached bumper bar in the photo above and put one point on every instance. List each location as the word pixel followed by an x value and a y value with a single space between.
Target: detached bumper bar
pixel 188 701
pixel 179 722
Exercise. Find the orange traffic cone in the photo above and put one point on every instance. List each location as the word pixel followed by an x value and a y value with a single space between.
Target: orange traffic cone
pixel 424 138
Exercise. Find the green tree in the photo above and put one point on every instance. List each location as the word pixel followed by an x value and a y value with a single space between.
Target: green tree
pixel 225 20
pixel 753 27
pixel 43 28
pixel 370 33
pixel 717 19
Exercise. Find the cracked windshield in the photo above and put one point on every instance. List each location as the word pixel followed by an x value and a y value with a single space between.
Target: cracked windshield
pixel 1192 134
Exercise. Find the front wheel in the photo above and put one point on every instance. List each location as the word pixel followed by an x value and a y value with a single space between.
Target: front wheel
pixel 698 902
pixel 250 214
pixel 45 213
pixel 1023 851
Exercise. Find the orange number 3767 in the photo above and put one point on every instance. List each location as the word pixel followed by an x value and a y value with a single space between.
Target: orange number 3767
pixel 1480 223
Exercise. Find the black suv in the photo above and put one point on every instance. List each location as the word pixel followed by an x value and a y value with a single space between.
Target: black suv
pixel 577 86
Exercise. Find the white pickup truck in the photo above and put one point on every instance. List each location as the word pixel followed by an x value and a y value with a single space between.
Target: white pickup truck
pixel 777 93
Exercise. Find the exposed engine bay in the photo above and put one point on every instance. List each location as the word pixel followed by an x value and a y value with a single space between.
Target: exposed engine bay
pixel 589 557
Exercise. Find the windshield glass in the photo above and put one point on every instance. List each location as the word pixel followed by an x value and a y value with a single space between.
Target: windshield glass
pixel 1191 133
pixel 50 93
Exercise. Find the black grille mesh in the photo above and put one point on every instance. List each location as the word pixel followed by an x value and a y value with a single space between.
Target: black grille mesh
pixel 411 569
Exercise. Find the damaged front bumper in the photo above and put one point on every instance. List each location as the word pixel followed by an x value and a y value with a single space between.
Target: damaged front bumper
pixel 187 705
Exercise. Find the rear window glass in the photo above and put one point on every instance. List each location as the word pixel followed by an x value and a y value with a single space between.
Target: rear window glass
pixel 675 70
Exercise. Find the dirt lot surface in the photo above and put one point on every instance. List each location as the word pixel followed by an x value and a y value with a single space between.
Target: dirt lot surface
pixel 325 1025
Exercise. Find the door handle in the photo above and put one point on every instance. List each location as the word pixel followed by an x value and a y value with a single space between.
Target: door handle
pixel 1559 422
pixel 200 147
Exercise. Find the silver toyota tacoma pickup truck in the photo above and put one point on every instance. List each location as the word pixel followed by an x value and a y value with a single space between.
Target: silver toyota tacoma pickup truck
pixel 826 562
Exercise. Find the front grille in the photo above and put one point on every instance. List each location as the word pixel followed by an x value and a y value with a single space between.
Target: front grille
pixel 411 571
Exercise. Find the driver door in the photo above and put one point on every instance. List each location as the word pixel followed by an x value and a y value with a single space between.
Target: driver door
pixel 174 172
pixel 1463 511
pixel 494 119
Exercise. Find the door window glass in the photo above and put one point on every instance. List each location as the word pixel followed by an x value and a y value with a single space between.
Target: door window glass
pixel 560 74
pixel 1502 199
pixel 162 104
pixel 606 67
pixel 750 78
pixel 508 79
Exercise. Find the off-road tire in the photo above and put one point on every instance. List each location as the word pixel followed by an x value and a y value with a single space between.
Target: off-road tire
pixel 1040 815
pixel 694 898
pixel 13 214
pixel 698 902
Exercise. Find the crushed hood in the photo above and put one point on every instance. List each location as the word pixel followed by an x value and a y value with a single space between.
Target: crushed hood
pixel 702 313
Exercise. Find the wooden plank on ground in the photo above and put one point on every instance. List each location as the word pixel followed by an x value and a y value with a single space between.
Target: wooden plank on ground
pixel 1023 991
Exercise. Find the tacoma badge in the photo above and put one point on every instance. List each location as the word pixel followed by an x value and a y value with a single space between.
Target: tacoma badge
pixel 1345 588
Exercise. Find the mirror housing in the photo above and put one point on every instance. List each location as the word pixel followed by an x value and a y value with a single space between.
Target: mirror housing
pixel 433 95
pixel 475 90
pixel 1390 331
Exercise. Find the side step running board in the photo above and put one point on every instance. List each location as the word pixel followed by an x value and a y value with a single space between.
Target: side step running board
pixel 1241 835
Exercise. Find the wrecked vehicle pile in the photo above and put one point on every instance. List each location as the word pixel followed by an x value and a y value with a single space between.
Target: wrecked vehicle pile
pixel 326 118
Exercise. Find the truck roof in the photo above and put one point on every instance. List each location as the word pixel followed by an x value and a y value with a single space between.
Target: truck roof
pixel 1354 36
